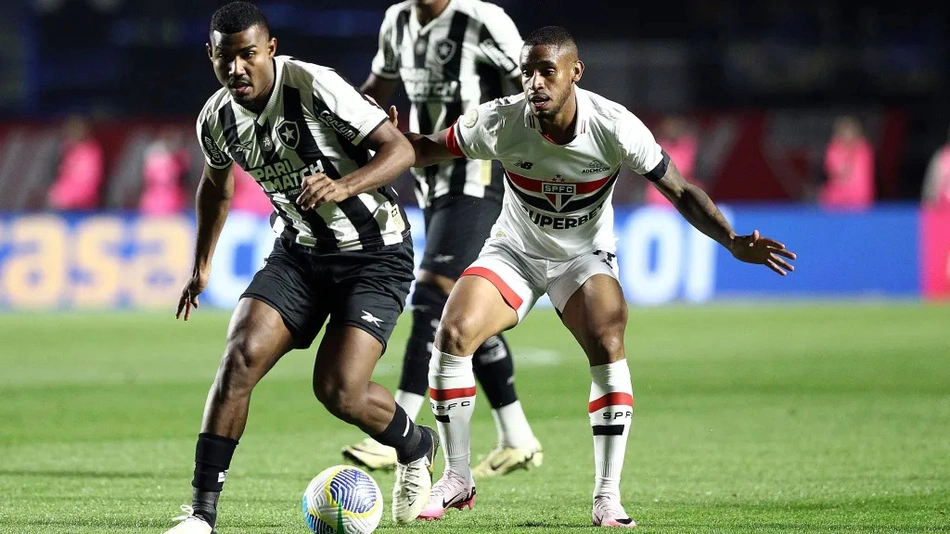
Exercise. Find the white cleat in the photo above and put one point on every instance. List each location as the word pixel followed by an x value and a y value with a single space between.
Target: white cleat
pixel 504 460
pixel 190 523
pixel 608 512
pixel 371 455
pixel 451 491
pixel 414 483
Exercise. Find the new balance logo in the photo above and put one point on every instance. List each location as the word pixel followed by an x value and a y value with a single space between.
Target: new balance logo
pixel 370 318
pixel 524 164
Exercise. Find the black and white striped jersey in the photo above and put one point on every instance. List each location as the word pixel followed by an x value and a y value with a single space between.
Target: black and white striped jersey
pixel 314 122
pixel 458 60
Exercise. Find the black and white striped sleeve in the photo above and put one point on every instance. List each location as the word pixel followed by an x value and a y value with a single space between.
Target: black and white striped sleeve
pixel 499 42
pixel 214 153
pixel 386 61
pixel 342 107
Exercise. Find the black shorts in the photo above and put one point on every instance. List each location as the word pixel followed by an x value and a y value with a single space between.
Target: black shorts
pixel 456 229
pixel 365 288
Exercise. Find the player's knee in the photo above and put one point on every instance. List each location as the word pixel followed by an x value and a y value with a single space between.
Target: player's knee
pixel 237 365
pixel 343 401
pixel 457 335
pixel 608 346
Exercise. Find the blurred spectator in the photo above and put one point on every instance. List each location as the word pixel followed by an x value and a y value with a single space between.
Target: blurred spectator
pixel 849 167
pixel 677 139
pixel 248 195
pixel 165 163
pixel 81 170
pixel 936 191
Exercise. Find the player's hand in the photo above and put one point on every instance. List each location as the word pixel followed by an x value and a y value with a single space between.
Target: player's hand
pixel 319 189
pixel 762 250
pixel 394 116
pixel 189 295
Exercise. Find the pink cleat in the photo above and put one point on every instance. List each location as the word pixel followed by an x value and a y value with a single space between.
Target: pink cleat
pixel 609 512
pixel 451 491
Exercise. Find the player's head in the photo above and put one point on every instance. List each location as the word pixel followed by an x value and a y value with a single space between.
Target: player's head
pixel 549 69
pixel 241 50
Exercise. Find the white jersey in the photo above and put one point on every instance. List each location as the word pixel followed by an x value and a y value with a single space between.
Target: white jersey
pixel 314 122
pixel 557 197
pixel 457 61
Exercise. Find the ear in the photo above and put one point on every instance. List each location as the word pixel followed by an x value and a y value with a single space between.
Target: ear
pixel 208 47
pixel 272 47
pixel 578 71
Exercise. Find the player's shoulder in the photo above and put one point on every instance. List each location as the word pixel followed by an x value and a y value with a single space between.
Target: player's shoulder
pixel 304 75
pixel 603 109
pixel 393 13
pixel 209 112
pixel 485 12
pixel 504 109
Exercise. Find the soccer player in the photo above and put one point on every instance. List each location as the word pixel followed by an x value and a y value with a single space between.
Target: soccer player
pixel 562 148
pixel 344 256
pixel 452 56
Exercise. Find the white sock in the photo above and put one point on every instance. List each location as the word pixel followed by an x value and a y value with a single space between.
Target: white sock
pixel 512 426
pixel 452 398
pixel 410 402
pixel 611 411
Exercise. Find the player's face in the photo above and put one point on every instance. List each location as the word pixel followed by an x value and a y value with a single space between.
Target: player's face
pixel 548 74
pixel 243 62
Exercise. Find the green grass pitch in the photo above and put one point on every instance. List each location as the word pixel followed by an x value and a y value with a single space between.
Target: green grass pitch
pixel 772 418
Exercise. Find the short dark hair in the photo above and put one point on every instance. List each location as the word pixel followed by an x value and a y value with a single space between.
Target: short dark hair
pixel 237 17
pixel 550 35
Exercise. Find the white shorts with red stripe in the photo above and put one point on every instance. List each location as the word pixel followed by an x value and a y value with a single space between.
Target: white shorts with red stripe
pixel 522 280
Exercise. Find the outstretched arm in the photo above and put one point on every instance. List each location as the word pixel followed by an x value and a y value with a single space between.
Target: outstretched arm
pixel 433 149
pixel 701 212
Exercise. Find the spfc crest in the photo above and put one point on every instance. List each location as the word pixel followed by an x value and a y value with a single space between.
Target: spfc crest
pixel 445 50
pixel 558 193
pixel 288 133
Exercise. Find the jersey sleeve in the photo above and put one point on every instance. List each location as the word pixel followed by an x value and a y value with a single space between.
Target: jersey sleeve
pixel 499 42
pixel 386 62
pixel 214 153
pixel 342 107
pixel 640 150
pixel 475 134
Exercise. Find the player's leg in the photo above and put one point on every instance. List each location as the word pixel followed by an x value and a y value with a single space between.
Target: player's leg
pixel 368 293
pixel 492 295
pixel 268 321
pixel 594 310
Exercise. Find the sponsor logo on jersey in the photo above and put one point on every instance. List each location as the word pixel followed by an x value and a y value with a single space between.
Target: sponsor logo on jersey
pixel 445 50
pixel 288 133
pixel 424 86
pixel 281 176
pixel 595 166
pixel 342 127
pixel 215 155
pixel 543 220
pixel 558 193
pixel 498 57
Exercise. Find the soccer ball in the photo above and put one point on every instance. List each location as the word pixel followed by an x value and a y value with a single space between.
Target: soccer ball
pixel 342 500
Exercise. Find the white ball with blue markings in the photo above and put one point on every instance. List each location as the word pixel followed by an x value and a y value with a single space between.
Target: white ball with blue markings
pixel 343 500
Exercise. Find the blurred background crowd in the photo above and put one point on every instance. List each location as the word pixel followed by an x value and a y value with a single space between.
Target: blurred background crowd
pixel 840 104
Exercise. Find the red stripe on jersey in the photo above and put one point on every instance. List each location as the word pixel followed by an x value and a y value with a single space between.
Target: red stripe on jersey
pixel 611 399
pixel 511 298
pixel 452 142
pixel 534 184
pixel 449 394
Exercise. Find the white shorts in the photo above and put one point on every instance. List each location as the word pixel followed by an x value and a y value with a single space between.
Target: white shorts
pixel 522 280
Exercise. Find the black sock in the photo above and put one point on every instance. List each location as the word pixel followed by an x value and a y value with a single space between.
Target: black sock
pixel 409 440
pixel 212 460
pixel 495 371
pixel 427 303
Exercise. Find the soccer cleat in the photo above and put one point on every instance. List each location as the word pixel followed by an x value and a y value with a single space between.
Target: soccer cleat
pixel 371 455
pixel 451 491
pixel 413 483
pixel 609 512
pixel 190 523
pixel 503 460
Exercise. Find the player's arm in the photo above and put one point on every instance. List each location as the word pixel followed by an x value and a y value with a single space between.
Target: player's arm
pixel 701 212
pixel 434 148
pixel 379 89
pixel 212 203
pixel 393 157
